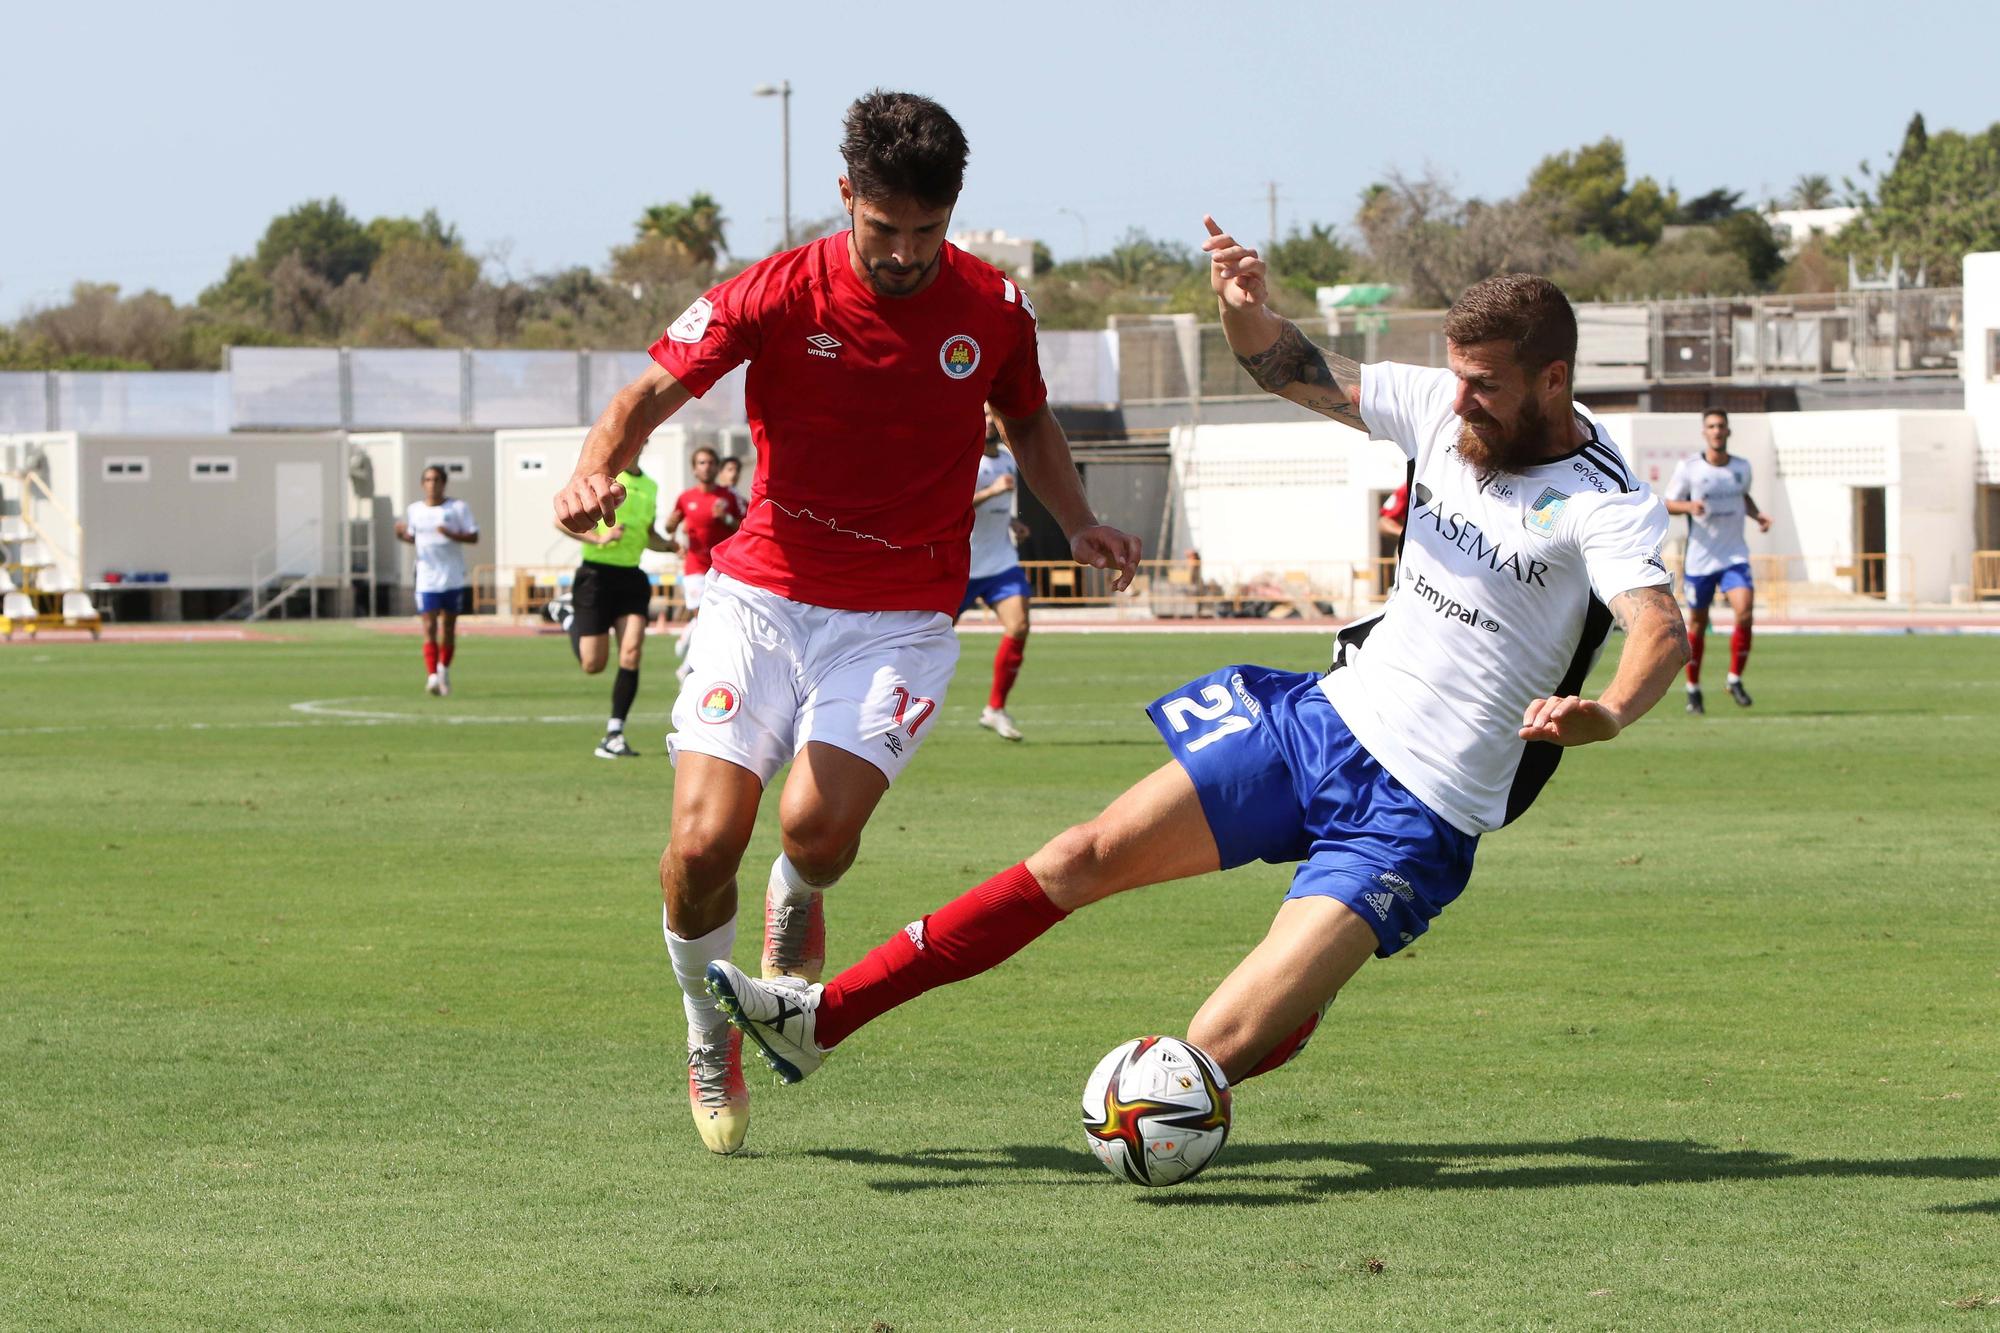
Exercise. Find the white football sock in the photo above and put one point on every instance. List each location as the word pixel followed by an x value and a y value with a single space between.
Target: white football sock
pixel 1735 679
pixel 791 887
pixel 612 728
pixel 691 958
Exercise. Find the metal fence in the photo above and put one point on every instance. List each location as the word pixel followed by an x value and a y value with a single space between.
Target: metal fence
pixel 1765 340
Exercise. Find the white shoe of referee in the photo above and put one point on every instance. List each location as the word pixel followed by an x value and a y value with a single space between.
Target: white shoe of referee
pixel 779 1015
pixel 996 720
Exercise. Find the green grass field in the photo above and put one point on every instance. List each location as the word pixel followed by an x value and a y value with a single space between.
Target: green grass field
pixel 310 1019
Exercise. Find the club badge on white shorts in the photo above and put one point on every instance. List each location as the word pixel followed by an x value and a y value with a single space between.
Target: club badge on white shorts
pixel 719 702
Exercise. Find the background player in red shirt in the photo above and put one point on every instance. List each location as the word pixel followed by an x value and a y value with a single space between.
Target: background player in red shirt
pixel 711 512
pixel 826 622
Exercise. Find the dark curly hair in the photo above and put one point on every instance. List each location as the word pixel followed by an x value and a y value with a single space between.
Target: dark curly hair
pixel 1530 312
pixel 902 146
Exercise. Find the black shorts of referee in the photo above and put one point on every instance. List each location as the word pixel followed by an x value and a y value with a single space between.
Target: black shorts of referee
pixel 601 595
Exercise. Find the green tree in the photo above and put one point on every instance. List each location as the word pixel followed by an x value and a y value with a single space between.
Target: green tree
pixel 1309 259
pixel 696 226
pixel 1938 202
pixel 1812 191
pixel 1585 194
pixel 331 244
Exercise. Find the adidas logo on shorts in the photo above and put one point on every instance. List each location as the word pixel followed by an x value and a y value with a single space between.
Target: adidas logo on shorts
pixel 1381 902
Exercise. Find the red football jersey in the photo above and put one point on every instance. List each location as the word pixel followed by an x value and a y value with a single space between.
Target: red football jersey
pixel 867 415
pixel 706 518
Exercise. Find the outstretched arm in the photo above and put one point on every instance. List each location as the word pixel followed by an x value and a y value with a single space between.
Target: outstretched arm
pixel 1656 648
pixel 1280 358
pixel 1042 450
pixel 621 431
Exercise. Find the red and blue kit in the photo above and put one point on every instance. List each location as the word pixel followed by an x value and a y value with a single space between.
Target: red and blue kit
pixel 708 517
pixel 867 415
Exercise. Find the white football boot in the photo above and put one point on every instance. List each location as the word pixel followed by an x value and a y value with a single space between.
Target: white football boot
pixel 444 680
pixel 716 1095
pixel 996 720
pixel 778 1015
pixel 431 683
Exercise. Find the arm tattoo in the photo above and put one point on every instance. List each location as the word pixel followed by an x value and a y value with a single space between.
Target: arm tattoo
pixel 1651 607
pixel 1294 367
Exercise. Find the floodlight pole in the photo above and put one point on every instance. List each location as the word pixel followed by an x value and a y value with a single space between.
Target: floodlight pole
pixel 783 92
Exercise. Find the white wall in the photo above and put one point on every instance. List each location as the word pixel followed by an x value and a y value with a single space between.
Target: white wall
pixel 1264 500
pixel 523 522
pixel 1261 500
pixel 1976 360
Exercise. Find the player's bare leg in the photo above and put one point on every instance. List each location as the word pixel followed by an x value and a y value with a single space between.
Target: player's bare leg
pixel 1013 613
pixel 827 801
pixel 715 810
pixel 1697 638
pixel 1154 833
pixel 1743 605
pixel 1314 946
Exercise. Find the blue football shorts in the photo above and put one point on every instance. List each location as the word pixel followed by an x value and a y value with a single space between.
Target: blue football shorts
pixel 995 588
pixel 1701 588
pixel 1282 779
pixel 458 601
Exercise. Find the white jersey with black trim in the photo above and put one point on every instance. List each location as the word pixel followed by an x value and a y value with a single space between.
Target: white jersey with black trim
pixel 1715 538
pixel 1501 598
pixel 440 560
pixel 992 522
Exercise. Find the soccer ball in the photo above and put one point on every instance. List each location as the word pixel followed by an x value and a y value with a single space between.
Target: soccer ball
pixel 1156 1111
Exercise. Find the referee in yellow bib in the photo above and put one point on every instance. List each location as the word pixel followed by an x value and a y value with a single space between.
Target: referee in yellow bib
pixel 610 593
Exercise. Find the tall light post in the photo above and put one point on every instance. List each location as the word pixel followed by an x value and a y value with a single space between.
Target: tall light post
pixel 783 92
pixel 1082 226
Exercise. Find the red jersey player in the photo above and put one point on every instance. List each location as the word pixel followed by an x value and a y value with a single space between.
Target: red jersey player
pixel 711 512
pixel 826 621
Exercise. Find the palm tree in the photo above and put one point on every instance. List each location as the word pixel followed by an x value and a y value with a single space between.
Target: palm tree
pixel 696 226
pixel 1812 191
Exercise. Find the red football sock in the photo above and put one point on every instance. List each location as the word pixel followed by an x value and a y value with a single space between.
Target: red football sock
pixel 430 657
pixel 1006 666
pixel 1695 641
pixel 445 651
pixel 1286 1049
pixel 969 934
pixel 1739 648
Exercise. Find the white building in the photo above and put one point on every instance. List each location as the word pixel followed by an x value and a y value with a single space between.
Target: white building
pixel 1014 254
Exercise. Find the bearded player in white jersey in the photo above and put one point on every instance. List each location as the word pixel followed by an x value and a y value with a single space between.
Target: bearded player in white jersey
pixel 1712 489
pixel 1441 719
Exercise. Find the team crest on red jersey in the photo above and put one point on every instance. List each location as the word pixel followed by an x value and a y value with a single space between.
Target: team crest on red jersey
pixel 719 702
pixel 959 356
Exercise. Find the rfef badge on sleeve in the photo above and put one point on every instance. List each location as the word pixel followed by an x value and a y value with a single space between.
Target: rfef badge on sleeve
pixel 1541 516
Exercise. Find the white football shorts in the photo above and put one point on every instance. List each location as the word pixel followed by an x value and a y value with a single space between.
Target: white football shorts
pixel 692 586
pixel 767 674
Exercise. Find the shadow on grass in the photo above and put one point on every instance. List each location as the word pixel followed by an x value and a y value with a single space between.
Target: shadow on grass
pixel 1239 1179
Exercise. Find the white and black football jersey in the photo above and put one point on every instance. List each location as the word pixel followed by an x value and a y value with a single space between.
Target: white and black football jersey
pixel 1502 597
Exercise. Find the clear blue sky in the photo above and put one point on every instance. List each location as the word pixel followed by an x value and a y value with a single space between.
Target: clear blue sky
pixel 148 143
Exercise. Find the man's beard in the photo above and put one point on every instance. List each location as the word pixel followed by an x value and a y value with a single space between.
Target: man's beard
pixel 1515 451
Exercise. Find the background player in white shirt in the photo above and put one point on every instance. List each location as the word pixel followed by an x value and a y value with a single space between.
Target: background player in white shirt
pixel 997 578
pixel 1712 489
pixel 438 527
pixel 1440 721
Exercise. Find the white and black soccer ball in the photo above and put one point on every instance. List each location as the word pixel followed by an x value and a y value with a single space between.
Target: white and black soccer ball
pixel 1156 1111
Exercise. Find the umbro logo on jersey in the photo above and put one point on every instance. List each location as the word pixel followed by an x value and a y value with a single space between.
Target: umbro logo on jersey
pixel 822 344
pixel 1381 902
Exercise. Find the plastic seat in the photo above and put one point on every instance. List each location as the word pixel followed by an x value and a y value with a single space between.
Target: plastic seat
pixel 18 612
pixel 78 611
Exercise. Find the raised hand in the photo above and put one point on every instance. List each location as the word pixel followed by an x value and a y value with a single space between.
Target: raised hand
pixel 1235 271
pixel 587 499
